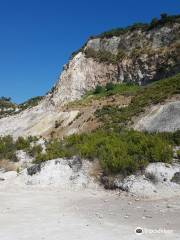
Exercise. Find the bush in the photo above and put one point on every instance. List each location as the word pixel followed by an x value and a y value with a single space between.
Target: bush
pixel 22 143
pixel 178 154
pixel 114 157
pixel 101 56
pixel 165 19
pixel 176 137
pixel 6 99
pixel 32 102
pixel 123 152
pixel 35 151
pixel 7 148
pixel 98 89
pixel 6 106
pixel 110 86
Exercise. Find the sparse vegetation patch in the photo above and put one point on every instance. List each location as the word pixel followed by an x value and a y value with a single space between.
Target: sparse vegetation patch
pixel 154 93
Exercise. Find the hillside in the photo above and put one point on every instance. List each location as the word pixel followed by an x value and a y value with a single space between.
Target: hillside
pixel 8 108
pixel 137 55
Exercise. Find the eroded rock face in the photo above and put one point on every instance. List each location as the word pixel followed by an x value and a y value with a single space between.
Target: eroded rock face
pixel 110 45
pixel 37 121
pixel 82 74
pixel 61 173
pixel 161 118
pixel 148 55
pixel 133 39
pixel 159 180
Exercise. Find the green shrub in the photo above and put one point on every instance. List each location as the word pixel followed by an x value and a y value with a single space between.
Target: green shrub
pixel 54 149
pixel 101 56
pixel 119 31
pixel 22 143
pixel 42 157
pixel 120 55
pixel 123 152
pixel 153 93
pixel 114 157
pixel 98 89
pixel 165 19
pixel 7 148
pixel 110 86
pixel 6 106
pixel 176 137
pixel 178 154
pixel 35 151
pixel 32 102
pixel 6 99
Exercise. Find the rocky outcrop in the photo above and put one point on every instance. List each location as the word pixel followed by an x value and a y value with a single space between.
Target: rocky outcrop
pixel 36 168
pixel 141 56
pixel 80 75
pixel 161 118
pixel 60 173
pixel 176 178
pixel 159 180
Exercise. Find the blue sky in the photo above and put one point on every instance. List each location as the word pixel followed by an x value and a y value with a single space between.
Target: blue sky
pixel 38 36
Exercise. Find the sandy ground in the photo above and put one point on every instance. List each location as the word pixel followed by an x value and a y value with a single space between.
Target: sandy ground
pixel 97 215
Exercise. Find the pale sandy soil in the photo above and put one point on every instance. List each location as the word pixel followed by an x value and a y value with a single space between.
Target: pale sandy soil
pixel 49 214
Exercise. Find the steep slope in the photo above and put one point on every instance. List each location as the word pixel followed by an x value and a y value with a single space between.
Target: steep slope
pixel 140 54
pixel 136 55
pixel 154 107
pixel 34 121
pixel 7 107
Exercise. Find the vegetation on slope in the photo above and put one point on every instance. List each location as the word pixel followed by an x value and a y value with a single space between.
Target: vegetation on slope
pixel 155 23
pixel 110 89
pixel 4 105
pixel 7 107
pixel 8 147
pixel 164 20
pixel 154 93
pixel 105 56
pixel 118 150
pixel 178 154
pixel 32 102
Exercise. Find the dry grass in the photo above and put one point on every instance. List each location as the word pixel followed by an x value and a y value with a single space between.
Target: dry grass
pixel 96 170
pixel 7 165
pixel 87 121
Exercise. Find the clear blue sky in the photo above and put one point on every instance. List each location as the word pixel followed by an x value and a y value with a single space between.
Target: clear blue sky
pixel 38 36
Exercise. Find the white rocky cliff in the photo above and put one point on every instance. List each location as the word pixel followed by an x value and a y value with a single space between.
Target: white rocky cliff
pixel 164 117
